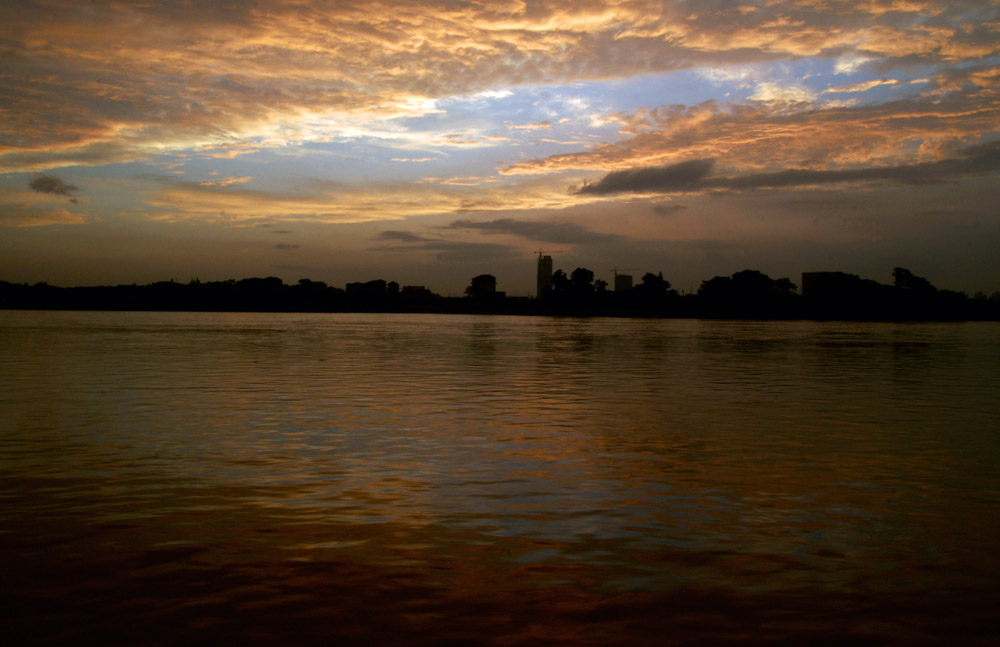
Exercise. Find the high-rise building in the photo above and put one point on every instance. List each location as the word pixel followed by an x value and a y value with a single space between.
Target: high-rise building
pixel 623 282
pixel 544 275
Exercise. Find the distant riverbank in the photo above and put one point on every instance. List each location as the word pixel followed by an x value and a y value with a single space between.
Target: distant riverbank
pixel 725 298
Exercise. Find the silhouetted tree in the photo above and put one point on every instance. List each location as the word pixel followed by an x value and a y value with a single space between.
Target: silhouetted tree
pixel 716 288
pixel 747 293
pixel 653 285
pixel 904 279
pixel 271 283
pixel 306 284
pixel 560 283
pixel 582 281
pixel 785 287
pixel 916 298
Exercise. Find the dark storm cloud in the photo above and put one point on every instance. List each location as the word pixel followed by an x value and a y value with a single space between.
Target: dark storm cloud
pixel 540 230
pixel 668 208
pixel 52 184
pixel 693 176
pixel 403 236
pixel 447 250
pixel 685 176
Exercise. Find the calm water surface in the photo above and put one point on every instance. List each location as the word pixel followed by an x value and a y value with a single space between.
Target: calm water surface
pixel 176 478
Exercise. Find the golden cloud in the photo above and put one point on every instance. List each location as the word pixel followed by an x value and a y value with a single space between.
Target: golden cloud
pixel 20 217
pixel 226 181
pixel 540 125
pixel 329 203
pixel 30 209
pixel 767 136
pixel 119 81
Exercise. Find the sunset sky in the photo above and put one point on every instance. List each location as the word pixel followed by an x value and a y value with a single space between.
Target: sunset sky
pixel 427 142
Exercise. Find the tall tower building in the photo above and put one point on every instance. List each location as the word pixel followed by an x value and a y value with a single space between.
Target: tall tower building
pixel 544 275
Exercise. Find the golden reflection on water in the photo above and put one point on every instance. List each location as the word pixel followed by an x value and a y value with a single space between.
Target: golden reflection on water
pixel 375 479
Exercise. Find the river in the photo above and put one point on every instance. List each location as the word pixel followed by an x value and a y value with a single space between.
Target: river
pixel 178 478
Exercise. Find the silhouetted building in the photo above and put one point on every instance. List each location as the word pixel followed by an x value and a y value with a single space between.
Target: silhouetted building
pixel 623 282
pixel 374 288
pixel 392 288
pixel 544 275
pixel 484 285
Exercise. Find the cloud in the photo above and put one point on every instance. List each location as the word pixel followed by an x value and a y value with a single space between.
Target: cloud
pixel 685 176
pixel 52 184
pixel 233 78
pixel 173 200
pixel 443 249
pixel 93 153
pixel 28 216
pixel 764 136
pixel 538 125
pixel 39 207
pixel 469 181
pixel 773 92
pixel 540 230
pixel 286 246
pixel 226 181
pixel 973 79
pixel 404 236
pixel 850 63
pixel 693 176
pixel 668 208
pixel 230 151
pixel 868 85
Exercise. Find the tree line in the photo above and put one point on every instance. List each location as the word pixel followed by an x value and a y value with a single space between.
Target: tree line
pixel 746 294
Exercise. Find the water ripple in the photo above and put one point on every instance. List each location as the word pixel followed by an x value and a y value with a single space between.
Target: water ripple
pixel 522 479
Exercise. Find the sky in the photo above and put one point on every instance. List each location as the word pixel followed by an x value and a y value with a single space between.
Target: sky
pixel 428 142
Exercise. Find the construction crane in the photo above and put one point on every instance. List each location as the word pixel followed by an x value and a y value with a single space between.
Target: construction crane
pixel 548 251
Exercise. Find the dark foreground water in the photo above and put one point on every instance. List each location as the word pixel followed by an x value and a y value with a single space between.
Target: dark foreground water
pixel 172 478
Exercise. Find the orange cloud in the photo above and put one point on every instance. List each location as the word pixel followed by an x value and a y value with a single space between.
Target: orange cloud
pixel 766 136
pixel 119 81
pixel 21 217
pixel 541 125
pixel 226 181
pixel 335 203
pixel 31 209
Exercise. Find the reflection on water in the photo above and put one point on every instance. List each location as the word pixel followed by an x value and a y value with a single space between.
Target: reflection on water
pixel 383 479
